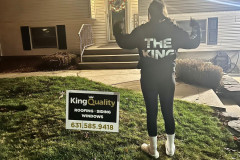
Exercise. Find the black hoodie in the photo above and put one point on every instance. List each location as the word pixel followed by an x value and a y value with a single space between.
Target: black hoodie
pixel 158 43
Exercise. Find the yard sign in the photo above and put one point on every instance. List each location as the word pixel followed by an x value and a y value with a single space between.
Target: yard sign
pixel 92 110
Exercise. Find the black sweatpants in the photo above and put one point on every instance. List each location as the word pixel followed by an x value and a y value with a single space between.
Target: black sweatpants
pixel 160 85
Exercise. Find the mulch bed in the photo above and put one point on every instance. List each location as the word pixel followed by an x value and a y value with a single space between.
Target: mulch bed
pixel 14 64
pixel 19 64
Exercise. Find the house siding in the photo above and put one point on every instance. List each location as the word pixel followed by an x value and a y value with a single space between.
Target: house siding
pixel 33 13
pixel 101 24
pixel 44 10
pixel 46 13
pixel 134 10
pixel 191 6
pixel 228 29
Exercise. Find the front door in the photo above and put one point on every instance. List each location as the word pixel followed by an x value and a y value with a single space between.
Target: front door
pixel 117 12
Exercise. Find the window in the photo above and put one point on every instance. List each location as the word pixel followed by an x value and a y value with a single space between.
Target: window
pixel 44 37
pixel 185 26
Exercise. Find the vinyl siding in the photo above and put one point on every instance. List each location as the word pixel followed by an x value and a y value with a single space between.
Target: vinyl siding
pixel 192 6
pixel 11 39
pixel 100 22
pixel 133 10
pixel 33 13
pixel 228 29
pixel 44 10
pixel 71 13
pixel 143 7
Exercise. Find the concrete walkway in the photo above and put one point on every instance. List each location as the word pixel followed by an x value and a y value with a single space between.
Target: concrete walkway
pixel 237 78
pixel 129 79
pixel 232 109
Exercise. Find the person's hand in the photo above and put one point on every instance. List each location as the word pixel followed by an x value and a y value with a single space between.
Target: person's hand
pixel 194 23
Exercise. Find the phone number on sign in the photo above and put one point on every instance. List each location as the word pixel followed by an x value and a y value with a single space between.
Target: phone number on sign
pixel 91 126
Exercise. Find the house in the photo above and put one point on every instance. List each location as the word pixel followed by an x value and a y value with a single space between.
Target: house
pixel 31 27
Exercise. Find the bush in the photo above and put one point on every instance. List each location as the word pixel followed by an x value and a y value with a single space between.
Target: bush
pixel 200 73
pixel 59 60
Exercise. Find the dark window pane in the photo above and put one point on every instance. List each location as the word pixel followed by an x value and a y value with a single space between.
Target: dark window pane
pixel 44 37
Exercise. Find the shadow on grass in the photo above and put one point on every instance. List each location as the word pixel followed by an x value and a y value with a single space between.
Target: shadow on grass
pixel 7 108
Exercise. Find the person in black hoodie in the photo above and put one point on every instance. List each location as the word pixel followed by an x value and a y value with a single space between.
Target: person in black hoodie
pixel 158 42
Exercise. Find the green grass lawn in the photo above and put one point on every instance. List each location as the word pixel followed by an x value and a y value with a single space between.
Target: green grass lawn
pixel 32 125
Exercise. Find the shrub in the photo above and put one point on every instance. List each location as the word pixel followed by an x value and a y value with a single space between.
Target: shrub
pixel 198 72
pixel 58 60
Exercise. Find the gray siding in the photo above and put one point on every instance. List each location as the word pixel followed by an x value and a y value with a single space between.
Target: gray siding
pixel 192 6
